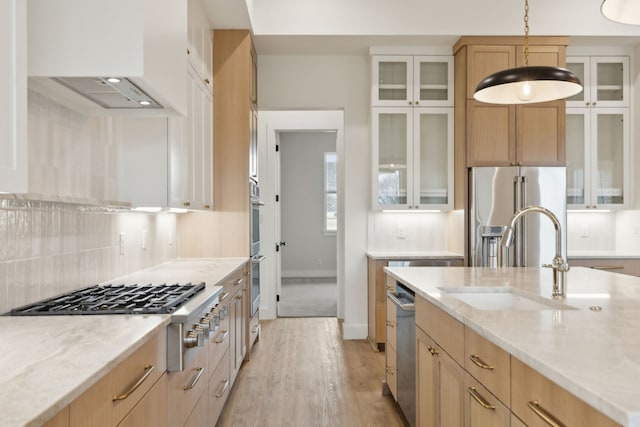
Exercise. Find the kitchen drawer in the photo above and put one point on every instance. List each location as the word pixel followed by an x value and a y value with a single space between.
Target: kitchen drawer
pixel 186 387
pixel 391 370
pixel 96 406
pixel 489 364
pixel 219 386
pixel 234 282
pixel 218 344
pixel 151 410
pixel 481 407
pixel 200 415
pixel 528 386
pixel 444 329
pixel 391 325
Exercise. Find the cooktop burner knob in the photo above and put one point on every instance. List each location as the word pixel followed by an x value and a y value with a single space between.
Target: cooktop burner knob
pixel 207 323
pixel 191 340
pixel 200 331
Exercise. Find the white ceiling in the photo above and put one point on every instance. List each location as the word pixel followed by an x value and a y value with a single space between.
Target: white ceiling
pixel 353 26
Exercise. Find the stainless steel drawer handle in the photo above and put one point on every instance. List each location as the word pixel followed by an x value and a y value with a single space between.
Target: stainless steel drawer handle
pixel 148 369
pixel 222 338
pixel 546 416
pixel 608 267
pixel 195 379
pixel 479 362
pixel 224 296
pixel 224 388
pixel 481 400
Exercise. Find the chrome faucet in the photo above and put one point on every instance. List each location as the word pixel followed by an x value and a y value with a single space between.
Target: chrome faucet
pixel 558 264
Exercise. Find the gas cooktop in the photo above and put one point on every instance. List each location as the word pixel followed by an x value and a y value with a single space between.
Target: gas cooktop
pixel 114 299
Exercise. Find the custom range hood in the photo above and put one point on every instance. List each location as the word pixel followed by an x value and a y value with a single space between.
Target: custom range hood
pixel 104 57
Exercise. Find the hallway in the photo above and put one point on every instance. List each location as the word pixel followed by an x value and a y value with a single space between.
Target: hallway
pixel 302 373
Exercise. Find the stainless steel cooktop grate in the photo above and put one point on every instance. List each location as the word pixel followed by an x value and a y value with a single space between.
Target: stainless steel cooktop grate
pixel 114 299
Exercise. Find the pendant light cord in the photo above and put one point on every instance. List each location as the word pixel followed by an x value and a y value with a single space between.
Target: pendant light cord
pixel 526 33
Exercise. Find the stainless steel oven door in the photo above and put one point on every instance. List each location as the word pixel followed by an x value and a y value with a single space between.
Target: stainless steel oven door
pixel 255 282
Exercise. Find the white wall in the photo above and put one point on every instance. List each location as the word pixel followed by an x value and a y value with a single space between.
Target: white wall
pixel 334 82
pixel 309 252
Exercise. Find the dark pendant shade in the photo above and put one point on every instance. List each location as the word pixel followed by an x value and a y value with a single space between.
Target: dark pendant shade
pixel 622 11
pixel 527 85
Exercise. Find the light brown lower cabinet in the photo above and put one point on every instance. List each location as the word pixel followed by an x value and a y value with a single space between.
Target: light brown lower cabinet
pixel 629 266
pixel 151 410
pixel 219 386
pixel 439 385
pixel 61 419
pixel 484 386
pixel 186 387
pixel 483 409
pixel 535 399
pixel 108 401
pixel 200 415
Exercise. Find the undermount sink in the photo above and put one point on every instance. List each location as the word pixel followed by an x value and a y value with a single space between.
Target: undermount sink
pixel 501 299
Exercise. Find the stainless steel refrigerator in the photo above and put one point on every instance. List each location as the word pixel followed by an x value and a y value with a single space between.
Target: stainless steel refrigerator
pixel 495 193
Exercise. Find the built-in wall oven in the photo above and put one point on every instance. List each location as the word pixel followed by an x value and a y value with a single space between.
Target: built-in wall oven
pixel 256 256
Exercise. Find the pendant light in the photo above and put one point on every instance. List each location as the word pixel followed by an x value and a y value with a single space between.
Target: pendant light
pixel 526 85
pixel 622 11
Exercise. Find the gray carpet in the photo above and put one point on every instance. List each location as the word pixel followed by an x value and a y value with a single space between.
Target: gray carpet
pixel 308 297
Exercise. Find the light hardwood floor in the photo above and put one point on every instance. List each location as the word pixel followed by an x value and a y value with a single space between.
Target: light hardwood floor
pixel 302 373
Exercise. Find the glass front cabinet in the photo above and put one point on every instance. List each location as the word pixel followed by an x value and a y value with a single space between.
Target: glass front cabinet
pixel 413 158
pixel 605 80
pixel 401 81
pixel 598 134
pixel 597 158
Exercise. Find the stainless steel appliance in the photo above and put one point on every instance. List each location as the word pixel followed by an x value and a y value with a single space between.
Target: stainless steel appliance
pixel 256 257
pixel 495 193
pixel 404 300
pixel 194 310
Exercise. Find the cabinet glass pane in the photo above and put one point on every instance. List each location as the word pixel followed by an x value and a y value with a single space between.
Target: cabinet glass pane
pixel 392 159
pixel 433 81
pixel 575 159
pixel 610 174
pixel 433 159
pixel 609 84
pixel 578 70
pixel 392 84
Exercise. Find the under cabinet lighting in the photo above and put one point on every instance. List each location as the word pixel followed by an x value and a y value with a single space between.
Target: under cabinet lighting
pixel 411 211
pixel 178 210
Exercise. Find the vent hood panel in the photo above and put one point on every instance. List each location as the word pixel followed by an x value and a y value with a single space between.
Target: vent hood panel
pixel 77 44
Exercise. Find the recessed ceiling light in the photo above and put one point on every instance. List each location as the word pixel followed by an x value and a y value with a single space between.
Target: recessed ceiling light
pixel 145 103
pixel 113 80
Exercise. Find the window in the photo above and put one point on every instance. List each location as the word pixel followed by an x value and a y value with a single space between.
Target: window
pixel 330 194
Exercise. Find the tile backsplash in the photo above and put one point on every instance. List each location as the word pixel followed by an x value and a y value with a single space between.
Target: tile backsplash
pixel 51 248
pixel 407 231
pixel 47 248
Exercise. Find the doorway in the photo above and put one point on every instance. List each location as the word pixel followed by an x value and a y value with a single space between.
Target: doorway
pixel 308 223
pixel 271 125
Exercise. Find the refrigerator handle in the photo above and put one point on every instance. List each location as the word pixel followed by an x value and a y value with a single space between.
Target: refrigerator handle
pixel 518 200
pixel 523 224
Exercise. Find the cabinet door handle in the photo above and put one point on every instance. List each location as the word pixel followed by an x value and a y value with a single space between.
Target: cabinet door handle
pixel 481 400
pixel 546 416
pixel 479 362
pixel 195 379
pixel 148 369
pixel 224 296
pixel 222 338
pixel 389 323
pixel 239 281
pixel 433 351
pixel 224 389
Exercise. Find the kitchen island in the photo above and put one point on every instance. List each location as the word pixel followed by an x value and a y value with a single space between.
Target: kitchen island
pixel 48 361
pixel 593 354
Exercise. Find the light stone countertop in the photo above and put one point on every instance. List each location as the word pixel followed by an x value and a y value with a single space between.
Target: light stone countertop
pixel 48 361
pixel 594 355
pixel 411 255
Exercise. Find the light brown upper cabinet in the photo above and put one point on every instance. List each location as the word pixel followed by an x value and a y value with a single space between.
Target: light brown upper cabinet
pixel 507 135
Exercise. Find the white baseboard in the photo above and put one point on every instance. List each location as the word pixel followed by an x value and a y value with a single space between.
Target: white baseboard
pixel 354 332
pixel 308 273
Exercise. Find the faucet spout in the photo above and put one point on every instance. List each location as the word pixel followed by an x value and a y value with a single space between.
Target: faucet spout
pixel 558 264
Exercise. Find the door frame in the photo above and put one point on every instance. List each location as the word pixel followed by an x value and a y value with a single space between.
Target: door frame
pixel 270 125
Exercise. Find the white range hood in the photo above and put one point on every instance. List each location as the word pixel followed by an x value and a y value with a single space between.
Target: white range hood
pixel 108 57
